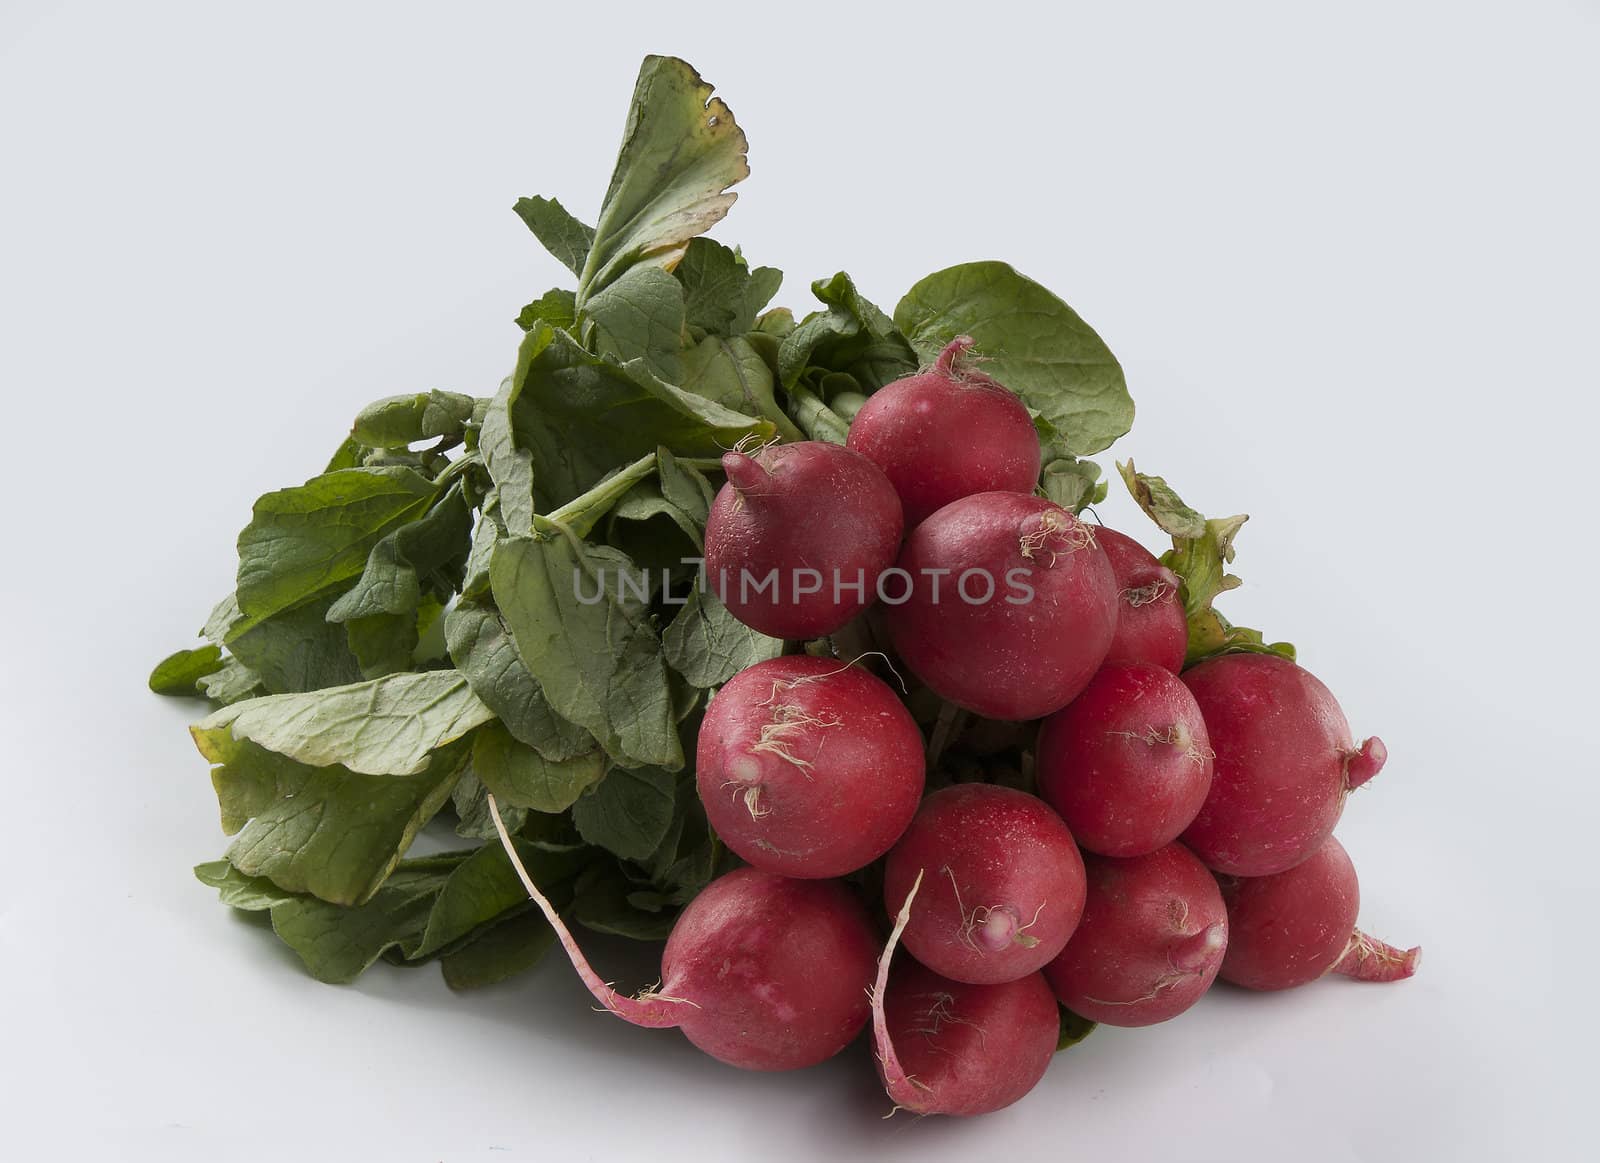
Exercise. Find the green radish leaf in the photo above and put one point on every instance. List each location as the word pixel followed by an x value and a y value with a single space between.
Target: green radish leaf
pixel 1201 552
pixel 607 902
pixel 681 151
pixel 481 646
pixel 708 645
pixel 232 682
pixel 1072 483
pixel 520 777
pixel 731 372
pixel 484 886
pixel 1030 341
pixel 470 800
pixel 556 307
pixel 580 417
pixel 562 234
pixel 640 316
pixel 1074 1029
pixel 629 812
pixel 388 726
pixel 327 831
pixel 401 420
pixel 426 557
pixel 180 673
pixel 312 539
pixel 297 650
pixel 851 335
pixel 507 458
pixel 504 949
pixel 722 295
pixel 586 637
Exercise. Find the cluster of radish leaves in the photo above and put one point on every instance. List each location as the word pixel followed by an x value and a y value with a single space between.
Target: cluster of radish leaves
pixel 406 634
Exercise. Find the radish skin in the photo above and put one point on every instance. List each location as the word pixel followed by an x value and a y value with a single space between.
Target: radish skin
pixel 1151 626
pixel 1151 941
pixel 1285 760
pixel 946 433
pixel 953 1048
pixel 808 767
pixel 798 536
pixel 1128 762
pixel 760 971
pixel 1293 927
pixel 1006 887
pixel 1050 612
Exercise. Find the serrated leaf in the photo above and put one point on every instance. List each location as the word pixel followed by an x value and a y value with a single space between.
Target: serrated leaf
pixel 629 812
pixel 850 335
pixel 708 645
pixel 520 777
pixel 580 416
pixel 681 151
pixel 640 316
pixel 556 307
pixel 388 726
pixel 562 234
pixel 587 639
pixel 327 831
pixel 1200 560
pixel 396 421
pixel 722 295
pixel 481 646
pixel 1031 342
pixel 314 538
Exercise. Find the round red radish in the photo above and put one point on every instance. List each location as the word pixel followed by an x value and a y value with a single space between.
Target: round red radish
pixel 760 971
pixel 1002 883
pixel 968 1049
pixel 946 433
pixel 1294 926
pixel 1128 762
pixel 1151 626
pixel 797 538
pixel 1284 762
pixel 1150 942
pixel 1012 604
pixel 777 969
pixel 808 766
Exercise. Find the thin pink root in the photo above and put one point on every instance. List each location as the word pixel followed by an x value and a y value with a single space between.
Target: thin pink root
pixel 744 472
pixel 1195 954
pixel 656 1011
pixel 903 1090
pixel 1369 959
pixel 1364 762
pixel 948 363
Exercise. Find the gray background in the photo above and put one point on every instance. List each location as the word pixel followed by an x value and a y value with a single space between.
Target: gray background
pixel 1346 253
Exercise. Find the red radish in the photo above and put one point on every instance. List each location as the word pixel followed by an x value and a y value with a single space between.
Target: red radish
pixel 1285 761
pixel 809 767
pixel 946 433
pixel 1151 626
pixel 798 536
pixel 1012 605
pixel 1293 927
pixel 1005 884
pixel 951 1048
pixel 760 971
pixel 1128 762
pixel 1150 942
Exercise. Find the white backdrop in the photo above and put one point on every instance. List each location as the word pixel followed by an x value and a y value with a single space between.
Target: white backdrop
pixel 1348 257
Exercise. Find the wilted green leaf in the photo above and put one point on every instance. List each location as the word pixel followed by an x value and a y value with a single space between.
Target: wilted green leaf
pixel 520 777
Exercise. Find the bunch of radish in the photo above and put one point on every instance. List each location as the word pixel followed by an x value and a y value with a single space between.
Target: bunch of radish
pixel 1173 822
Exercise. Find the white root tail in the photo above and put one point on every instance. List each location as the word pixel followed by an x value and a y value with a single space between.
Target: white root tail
pixel 654 1010
pixel 904 1091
